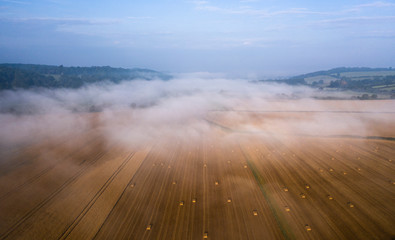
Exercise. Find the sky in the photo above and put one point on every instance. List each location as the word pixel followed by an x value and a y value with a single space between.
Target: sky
pixel 252 38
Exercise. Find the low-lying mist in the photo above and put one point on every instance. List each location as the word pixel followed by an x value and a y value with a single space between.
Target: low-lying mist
pixel 188 107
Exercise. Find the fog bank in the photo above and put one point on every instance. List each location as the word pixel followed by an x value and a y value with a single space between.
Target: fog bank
pixel 187 107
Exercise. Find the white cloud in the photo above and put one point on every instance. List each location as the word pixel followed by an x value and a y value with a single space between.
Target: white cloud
pixel 199 2
pixel 205 6
pixel 15 1
pixel 73 21
pixel 376 4
pixel 357 19
pixel 370 6
pixel 139 18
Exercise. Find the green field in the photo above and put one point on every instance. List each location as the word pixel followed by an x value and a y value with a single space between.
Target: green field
pixel 367 74
pixel 385 86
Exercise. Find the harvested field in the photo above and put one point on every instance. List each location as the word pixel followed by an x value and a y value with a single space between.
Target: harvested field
pixel 285 172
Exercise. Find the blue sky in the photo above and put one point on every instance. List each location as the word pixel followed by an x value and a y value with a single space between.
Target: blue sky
pixel 242 37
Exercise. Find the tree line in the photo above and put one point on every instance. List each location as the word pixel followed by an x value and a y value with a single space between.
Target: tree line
pixel 13 76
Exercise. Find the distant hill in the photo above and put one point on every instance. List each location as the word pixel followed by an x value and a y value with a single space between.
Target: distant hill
pixel 13 76
pixel 342 70
pixel 372 80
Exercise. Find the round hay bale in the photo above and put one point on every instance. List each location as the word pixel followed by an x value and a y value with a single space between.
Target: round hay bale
pixel 307 227
pixel 149 227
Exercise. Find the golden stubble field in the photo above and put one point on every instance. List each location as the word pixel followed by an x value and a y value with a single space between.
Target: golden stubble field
pixel 291 172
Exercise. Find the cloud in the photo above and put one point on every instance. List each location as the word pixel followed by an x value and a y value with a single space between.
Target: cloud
pixel 205 6
pixel 368 7
pixel 15 1
pixel 375 5
pixel 139 18
pixel 199 2
pixel 261 42
pixel 58 1
pixel 264 13
pixel 98 27
pixel 247 1
pixel 71 21
pixel 105 28
pixel 357 20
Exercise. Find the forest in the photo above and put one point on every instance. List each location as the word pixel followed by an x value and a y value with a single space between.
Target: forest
pixel 14 76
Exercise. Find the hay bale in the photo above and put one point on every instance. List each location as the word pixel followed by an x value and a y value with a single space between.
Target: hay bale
pixel 307 227
pixel 149 227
